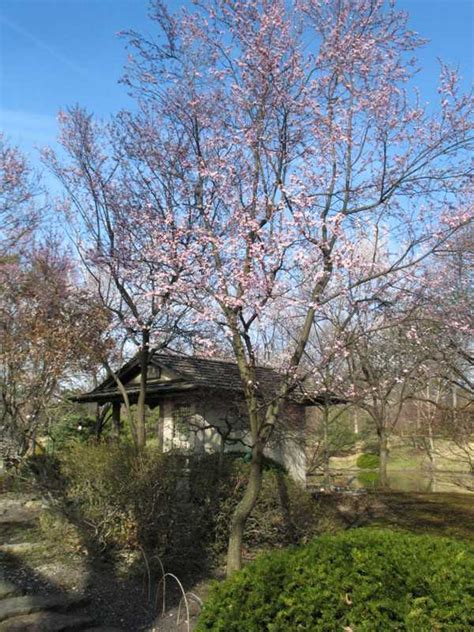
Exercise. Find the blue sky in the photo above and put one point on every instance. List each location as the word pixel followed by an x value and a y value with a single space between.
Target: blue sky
pixel 55 53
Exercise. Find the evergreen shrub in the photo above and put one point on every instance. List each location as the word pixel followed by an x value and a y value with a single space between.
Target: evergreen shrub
pixel 365 580
pixel 370 479
pixel 368 461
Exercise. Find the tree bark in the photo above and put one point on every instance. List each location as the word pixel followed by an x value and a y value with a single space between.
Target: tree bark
pixel 248 377
pixel 326 454
pixel 355 419
pixel 243 511
pixel 286 506
pixel 383 454
pixel 126 401
pixel 141 404
pixel 431 448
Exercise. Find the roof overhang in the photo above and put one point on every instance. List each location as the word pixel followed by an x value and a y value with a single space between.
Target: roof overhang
pixel 186 374
pixel 154 393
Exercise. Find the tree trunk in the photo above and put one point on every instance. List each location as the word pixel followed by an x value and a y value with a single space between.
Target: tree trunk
pixel 326 454
pixel 243 511
pixel 22 445
pixel 126 402
pixel 383 454
pixel 141 404
pixel 431 448
pixel 355 419
pixel 286 506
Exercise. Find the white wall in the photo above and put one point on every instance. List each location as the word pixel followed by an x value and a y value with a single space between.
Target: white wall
pixel 286 447
pixel 289 450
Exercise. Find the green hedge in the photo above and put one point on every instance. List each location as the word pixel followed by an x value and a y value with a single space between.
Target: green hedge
pixel 365 580
pixel 370 479
pixel 368 461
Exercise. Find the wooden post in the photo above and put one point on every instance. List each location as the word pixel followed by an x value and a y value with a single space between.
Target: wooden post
pixel 160 428
pixel 116 423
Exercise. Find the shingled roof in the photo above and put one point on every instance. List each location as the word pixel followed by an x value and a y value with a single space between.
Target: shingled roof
pixel 218 374
pixel 194 373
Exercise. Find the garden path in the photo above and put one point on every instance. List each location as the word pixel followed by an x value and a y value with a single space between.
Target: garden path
pixel 35 596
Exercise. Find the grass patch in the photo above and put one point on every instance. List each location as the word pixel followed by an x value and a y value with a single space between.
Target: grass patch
pixel 435 514
pixel 406 459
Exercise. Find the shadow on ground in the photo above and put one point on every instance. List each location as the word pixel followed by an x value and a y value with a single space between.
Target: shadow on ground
pixel 44 589
pixel 447 514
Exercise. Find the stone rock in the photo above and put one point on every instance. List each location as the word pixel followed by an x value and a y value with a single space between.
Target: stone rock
pixel 45 622
pixel 18 606
pixel 100 628
pixel 70 578
pixel 18 548
pixel 35 503
pixel 7 589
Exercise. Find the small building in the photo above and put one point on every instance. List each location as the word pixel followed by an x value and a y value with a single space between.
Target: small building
pixel 200 407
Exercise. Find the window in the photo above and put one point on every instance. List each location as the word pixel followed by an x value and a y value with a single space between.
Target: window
pixel 181 421
pixel 154 373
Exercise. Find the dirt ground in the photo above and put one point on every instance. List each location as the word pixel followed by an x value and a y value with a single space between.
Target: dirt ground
pixel 121 594
pixel 118 594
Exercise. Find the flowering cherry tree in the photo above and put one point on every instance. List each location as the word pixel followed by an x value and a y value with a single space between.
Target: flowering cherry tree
pixel 408 340
pixel 18 187
pixel 448 298
pixel 287 134
pixel 109 206
pixel 388 365
pixel 275 150
pixel 445 403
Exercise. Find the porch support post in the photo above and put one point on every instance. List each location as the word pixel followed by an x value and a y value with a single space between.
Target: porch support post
pixel 116 423
pixel 160 427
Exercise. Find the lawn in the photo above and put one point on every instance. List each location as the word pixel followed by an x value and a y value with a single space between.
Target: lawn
pixel 435 514
pixel 407 457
